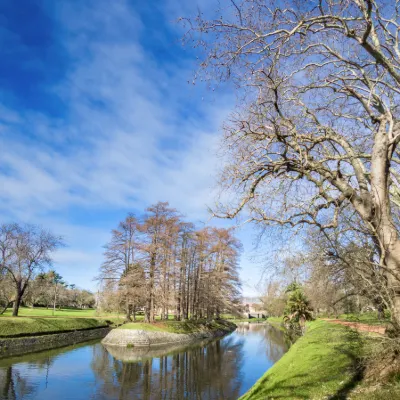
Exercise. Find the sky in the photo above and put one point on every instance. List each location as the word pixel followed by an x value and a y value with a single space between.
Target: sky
pixel 99 116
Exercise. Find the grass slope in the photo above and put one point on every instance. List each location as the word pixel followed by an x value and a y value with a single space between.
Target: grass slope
pixel 320 364
pixel 18 327
pixel 182 326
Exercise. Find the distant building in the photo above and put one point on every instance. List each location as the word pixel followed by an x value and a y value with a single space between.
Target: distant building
pixel 253 306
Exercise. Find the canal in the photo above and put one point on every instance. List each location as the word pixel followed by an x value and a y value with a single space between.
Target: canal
pixel 219 369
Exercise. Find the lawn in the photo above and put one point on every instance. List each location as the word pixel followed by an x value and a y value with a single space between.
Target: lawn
pixel 40 312
pixel 181 326
pixel 25 326
pixel 320 364
pixel 36 321
pixel 43 312
pixel 370 318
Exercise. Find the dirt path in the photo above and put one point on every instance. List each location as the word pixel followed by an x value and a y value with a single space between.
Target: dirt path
pixel 359 326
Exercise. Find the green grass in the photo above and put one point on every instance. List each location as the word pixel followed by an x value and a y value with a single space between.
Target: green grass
pixel 370 318
pixel 70 312
pixel 43 312
pixel 320 364
pixel 40 312
pixel 181 326
pixel 18 327
pixel 275 320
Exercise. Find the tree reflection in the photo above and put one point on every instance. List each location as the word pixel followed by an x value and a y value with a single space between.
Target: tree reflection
pixel 13 385
pixel 208 372
pixel 273 340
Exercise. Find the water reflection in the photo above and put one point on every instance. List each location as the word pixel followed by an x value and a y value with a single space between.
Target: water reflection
pixel 221 369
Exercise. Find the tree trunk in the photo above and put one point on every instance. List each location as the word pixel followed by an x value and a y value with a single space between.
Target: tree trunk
pixel 146 314
pixel 390 248
pixel 55 299
pixel 17 302
pixel 151 299
pixel 394 289
pixel 128 312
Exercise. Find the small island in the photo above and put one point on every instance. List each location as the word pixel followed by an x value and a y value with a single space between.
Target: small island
pixel 166 333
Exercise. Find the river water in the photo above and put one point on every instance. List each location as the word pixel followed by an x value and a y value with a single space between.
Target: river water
pixel 219 369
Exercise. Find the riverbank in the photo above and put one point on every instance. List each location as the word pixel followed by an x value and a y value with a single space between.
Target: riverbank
pixel 320 364
pixel 324 363
pixel 166 333
pixel 26 335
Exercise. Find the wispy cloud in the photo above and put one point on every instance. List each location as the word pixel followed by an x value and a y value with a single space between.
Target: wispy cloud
pixel 133 131
pixel 128 135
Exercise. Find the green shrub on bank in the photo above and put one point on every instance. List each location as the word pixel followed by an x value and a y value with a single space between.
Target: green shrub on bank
pixel 19 327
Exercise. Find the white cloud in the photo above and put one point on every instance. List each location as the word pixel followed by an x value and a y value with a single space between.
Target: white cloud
pixel 134 133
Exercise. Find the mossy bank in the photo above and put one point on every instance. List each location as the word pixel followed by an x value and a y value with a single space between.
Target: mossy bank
pixel 166 333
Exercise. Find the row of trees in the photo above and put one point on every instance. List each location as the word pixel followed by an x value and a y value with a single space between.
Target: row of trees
pixel 158 262
pixel 50 290
pixel 314 143
pixel 25 253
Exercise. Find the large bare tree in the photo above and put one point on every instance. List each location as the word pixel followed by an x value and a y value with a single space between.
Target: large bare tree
pixel 318 127
pixel 24 251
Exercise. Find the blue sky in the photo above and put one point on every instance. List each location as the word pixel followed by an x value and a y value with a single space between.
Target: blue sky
pixel 99 117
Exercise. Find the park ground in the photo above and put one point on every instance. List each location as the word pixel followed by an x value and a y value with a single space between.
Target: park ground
pixel 38 321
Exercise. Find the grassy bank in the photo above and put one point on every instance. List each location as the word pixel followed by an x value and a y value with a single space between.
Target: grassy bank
pixel 275 320
pixel 320 364
pixel 323 364
pixel 182 326
pixel 19 327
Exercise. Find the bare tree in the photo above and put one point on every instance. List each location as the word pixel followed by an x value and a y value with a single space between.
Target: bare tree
pixel 177 269
pixel 274 298
pixel 24 251
pixel 120 258
pixel 319 128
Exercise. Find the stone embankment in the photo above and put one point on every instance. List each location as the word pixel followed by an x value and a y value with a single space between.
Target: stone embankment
pixel 23 345
pixel 143 338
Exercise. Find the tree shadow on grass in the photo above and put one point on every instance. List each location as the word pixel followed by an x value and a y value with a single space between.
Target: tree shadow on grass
pixel 356 369
pixel 258 393
pixel 349 344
